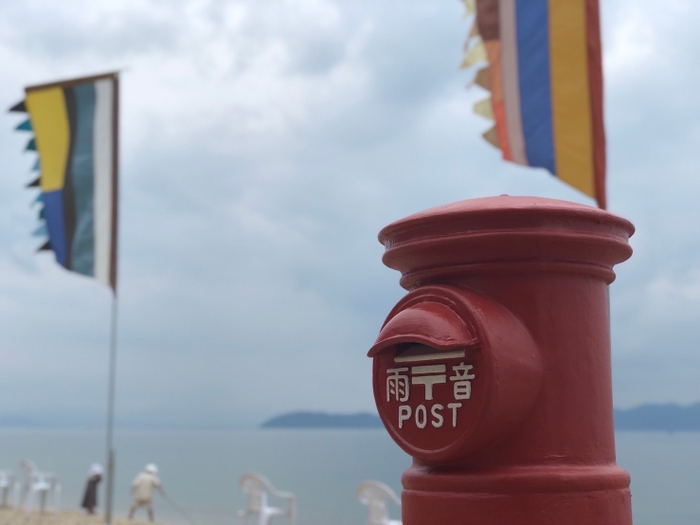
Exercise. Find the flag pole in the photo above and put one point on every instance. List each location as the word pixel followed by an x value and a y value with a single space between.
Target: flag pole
pixel 110 410
pixel 113 282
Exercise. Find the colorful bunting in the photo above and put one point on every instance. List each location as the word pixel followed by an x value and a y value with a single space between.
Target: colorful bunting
pixel 25 126
pixel 41 231
pixel 45 247
pixel 75 126
pixel 543 68
pixel 19 107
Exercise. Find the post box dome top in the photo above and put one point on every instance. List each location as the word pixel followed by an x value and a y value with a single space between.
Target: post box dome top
pixel 505 233
pixel 504 208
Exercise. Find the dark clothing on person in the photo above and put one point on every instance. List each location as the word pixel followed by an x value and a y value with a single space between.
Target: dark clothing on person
pixel 90 497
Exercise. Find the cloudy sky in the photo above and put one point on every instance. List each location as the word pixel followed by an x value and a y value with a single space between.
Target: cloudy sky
pixel 264 145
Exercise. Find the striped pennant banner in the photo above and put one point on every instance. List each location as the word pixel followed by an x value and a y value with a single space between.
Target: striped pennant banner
pixel 75 134
pixel 541 61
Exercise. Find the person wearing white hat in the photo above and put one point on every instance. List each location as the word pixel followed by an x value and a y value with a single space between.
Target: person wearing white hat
pixel 93 479
pixel 142 488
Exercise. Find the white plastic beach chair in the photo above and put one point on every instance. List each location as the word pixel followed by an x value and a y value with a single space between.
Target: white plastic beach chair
pixel 375 495
pixel 39 488
pixel 257 488
pixel 8 485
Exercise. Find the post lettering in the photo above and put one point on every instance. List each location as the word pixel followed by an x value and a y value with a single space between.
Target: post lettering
pixel 397 384
pixel 404 414
pixel 421 416
pixel 438 420
pixel 454 407
pixel 462 388
pixel 399 381
pixel 428 376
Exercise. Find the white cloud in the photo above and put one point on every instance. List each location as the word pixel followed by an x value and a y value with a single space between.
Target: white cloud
pixel 265 143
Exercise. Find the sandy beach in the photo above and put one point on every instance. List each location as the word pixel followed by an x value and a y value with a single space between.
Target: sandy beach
pixel 11 516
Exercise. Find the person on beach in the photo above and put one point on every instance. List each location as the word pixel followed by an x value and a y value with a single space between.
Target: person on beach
pixel 90 496
pixel 142 489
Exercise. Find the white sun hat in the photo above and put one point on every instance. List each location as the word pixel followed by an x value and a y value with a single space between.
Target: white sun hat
pixel 151 468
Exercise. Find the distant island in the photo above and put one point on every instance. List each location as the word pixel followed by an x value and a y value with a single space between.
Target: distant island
pixel 324 420
pixel 666 418
pixel 669 417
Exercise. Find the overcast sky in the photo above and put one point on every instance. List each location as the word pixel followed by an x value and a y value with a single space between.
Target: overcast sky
pixel 264 145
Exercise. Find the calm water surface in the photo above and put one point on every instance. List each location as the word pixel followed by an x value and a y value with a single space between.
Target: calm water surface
pixel 200 469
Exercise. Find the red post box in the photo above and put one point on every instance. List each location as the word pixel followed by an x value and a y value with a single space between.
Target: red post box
pixel 493 372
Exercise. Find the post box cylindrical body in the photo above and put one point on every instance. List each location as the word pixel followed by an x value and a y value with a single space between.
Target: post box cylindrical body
pixel 494 371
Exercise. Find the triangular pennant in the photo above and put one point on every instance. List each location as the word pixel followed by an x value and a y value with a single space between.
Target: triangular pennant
pixel 44 247
pixel 475 55
pixel 37 165
pixel 19 107
pixel 39 199
pixel 41 231
pixel 483 79
pixel 42 214
pixel 472 37
pixel 34 183
pixel 31 145
pixel 491 137
pixel 474 31
pixel 470 6
pixel 484 108
pixel 25 126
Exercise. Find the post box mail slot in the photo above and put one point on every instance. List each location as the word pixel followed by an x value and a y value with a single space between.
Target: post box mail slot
pixel 453 370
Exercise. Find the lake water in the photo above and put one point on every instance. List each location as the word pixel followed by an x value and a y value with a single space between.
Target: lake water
pixel 200 469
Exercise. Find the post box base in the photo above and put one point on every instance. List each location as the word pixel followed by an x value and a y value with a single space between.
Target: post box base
pixel 606 507
pixel 594 495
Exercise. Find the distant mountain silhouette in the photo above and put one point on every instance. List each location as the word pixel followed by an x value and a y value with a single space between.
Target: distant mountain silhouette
pixel 669 417
pixel 652 417
pixel 324 420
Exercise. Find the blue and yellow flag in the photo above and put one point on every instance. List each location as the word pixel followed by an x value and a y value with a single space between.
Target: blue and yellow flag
pixel 543 68
pixel 75 134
